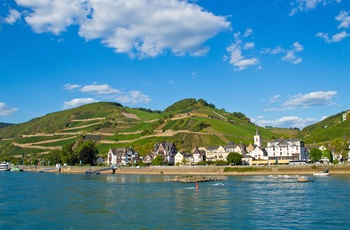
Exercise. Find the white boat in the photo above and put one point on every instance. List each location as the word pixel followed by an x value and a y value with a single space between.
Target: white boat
pixel 321 174
pixel 324 173
pixel 4 166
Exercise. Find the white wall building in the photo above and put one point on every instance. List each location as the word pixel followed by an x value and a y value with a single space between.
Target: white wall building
pixel 290 149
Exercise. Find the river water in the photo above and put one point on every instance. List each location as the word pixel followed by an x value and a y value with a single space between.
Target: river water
pixel 68 201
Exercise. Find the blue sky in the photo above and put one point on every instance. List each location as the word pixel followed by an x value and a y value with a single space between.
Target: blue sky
pixel 284 63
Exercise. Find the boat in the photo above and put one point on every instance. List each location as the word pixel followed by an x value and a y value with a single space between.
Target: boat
pixel 324 173
pixel 303 179
pixel 4 166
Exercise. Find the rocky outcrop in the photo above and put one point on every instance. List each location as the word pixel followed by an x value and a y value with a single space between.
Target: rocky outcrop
pixel 192 179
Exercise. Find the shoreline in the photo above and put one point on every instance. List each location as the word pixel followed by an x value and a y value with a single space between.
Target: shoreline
pixel 343 169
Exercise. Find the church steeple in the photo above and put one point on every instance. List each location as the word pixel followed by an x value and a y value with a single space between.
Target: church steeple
pixel 257 138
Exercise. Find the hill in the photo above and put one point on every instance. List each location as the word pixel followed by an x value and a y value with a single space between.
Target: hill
pixel 3 125
pixel 187 123
pixel 325 131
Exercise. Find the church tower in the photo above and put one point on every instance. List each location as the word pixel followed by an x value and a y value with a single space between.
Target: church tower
pixel 257 138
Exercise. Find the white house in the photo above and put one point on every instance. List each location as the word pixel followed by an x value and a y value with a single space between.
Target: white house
pixel 345 115
pixel 258 153
pixel 178 158
pixel 289 149
pixel 121 156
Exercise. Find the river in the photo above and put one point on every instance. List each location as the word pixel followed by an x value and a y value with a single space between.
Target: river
pixel 69 201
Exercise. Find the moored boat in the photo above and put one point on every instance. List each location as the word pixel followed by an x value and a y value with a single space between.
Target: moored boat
pixel 4 167
pixel 324 173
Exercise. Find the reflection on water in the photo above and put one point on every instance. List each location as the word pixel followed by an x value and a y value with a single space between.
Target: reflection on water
pixel 61 201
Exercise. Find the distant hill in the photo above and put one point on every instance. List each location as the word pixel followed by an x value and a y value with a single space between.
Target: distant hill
pixel 188 123
pixel 325 131
pixel 3 125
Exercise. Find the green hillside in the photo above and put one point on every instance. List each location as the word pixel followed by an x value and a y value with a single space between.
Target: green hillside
pixel 325 131
pixel 3 125
pixel 188 123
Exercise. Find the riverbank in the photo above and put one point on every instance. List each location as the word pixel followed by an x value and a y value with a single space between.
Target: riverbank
pixel 340 169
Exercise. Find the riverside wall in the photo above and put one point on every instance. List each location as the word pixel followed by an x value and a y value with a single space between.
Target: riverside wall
pixel 340 169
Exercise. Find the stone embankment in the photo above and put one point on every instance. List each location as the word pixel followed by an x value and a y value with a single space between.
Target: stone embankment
pixel 193 179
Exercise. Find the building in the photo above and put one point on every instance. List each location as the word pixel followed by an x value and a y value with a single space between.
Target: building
pixel 167 150
pixel 290 149
pixel 345 115
pixel 257 138
pixel 122 156
pixel 198 156
pixel 183 158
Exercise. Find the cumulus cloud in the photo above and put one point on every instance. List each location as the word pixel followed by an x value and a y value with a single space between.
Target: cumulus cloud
pixel 344 20
pixel 313 99
pixel 13 16
pixel 235 57
pixel 78 102
pixel 335 38
pixel 133 97
pixel 99 89
pixel 136 27
pixel 5 110
pixel 289 54
pixel 71 86
pixel 105 91
pixel 306 5
pixel 287 122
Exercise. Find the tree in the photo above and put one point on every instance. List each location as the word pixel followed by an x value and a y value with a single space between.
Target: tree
pixel 87 152
pixel 234 158
pixel 67 155
pixel 327 154
pixel 315 154
pixel 158 160
pixel 339 145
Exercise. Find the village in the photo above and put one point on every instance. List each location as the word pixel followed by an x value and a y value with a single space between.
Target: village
pixel 280 151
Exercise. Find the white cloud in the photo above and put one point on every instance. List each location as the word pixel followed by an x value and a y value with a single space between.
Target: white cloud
pixel 335 38
pixel 306 5
pixel 99 89
pixel 133 97
pixel 236 58
pixel 78 102
pixel 13 16
pixel 289 55
pixel 344 19
pixel 5 110
pixel 287 122
pixel 248 32
pixel 313 99
pixel 105 91
pixel 249 45
pixel 71 86
pixel 52 16
pixel 317 98
pixel 274 99
pixel 136 27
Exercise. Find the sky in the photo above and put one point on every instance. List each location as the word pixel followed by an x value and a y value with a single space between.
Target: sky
pixel 283 63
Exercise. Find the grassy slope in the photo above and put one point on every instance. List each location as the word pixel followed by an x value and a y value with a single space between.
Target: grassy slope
pixel 221 127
